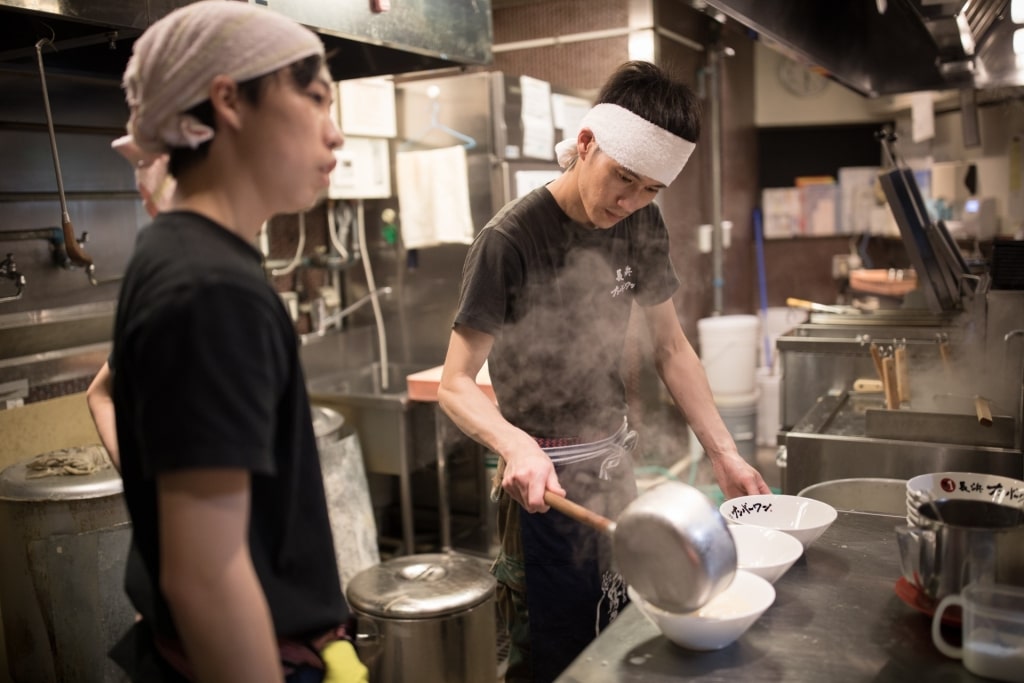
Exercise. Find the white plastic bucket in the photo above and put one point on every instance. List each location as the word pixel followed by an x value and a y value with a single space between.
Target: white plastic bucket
pixel 740 416
pixel 728 351
pixel 775 322
pixel 768 418
pixel 739 413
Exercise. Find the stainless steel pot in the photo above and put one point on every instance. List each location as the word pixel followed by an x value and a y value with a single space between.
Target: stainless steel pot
pixel 65 543
pixel 983 545
pixel 670 544
pixel 428 618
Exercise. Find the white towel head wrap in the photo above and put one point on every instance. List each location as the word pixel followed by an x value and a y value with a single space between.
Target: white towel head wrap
pixel 632 141
pixel 174 61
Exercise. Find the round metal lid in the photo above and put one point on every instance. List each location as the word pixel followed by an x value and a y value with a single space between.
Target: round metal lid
pixel 421 586
pixel 66 474
pixel 326 421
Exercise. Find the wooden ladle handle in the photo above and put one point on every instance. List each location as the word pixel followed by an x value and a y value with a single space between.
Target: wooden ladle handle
pixel 984 410
pixel 579 513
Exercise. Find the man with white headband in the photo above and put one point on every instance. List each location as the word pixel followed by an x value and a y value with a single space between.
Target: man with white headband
pixel 547 290
pixel 232 567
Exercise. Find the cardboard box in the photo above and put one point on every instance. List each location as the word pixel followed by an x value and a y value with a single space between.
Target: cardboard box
pixel 818 209
pixel 780 212
pixel 857 198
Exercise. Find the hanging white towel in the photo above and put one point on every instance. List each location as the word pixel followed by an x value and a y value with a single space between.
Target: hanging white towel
pixel 433 197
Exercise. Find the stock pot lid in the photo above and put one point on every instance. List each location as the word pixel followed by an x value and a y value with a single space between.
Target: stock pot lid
pixel 66 474
pixel 326 422
pixel 420 586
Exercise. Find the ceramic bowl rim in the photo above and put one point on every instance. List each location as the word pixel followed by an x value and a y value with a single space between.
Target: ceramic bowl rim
pixel 775 535
pixel 694 617
pixel 830 513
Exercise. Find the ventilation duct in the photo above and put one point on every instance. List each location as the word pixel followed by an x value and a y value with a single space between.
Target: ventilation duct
pixel 94 37
pixel 886 47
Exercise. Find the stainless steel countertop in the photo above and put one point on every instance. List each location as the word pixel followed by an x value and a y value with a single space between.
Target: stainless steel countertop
pixel 836 618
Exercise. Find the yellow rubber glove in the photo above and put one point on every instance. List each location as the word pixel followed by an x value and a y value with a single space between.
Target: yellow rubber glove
pixel 342 663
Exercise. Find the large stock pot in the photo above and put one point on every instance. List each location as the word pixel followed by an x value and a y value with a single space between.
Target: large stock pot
pixel 65 534
pixel 428 618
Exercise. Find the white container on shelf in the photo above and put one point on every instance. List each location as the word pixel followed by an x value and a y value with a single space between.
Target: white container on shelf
pixel 728 351
pixel 769 383
pixel 775 322
pixel 739 413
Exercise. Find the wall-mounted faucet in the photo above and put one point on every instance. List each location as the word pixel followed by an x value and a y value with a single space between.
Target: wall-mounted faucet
pixel 321 322
pixel 9 271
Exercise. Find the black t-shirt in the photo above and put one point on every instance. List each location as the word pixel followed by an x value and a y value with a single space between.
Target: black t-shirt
pixel 208 375
pixel 557 295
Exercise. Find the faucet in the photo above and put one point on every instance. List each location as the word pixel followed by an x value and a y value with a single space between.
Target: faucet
pixel 9 270
pixel 322 322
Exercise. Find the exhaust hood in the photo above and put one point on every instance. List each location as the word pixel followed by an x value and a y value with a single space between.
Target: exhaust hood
pixel 886 47
pixel 94 37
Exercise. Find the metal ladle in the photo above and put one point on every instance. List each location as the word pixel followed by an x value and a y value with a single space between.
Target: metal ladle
pixel 670 544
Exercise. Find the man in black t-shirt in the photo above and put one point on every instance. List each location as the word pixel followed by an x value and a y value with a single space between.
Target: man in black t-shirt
pixel 232 567
pixel 547 291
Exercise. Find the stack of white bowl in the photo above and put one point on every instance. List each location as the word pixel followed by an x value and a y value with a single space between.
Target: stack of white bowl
pixel 990 488
pixel 803 518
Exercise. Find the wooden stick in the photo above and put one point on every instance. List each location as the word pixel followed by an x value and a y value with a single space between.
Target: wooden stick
pixel 892 397
pixel 876 356
pixel 947 364
pixel 902 374
pixel 865 384
pixel 984 411
pixel 579 513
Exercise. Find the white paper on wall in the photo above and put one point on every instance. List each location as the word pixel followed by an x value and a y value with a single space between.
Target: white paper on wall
pixel 538 123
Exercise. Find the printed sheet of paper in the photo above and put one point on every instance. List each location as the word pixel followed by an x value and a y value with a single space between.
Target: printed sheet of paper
pixel 538 123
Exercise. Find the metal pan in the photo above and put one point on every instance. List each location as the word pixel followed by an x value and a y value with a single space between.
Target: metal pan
pixel 670 544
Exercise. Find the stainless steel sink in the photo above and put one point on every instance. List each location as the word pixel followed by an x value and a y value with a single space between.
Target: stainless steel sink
pixel 396 435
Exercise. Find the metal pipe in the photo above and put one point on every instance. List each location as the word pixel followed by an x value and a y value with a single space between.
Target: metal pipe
pixel 7 197
pixel 75 253
pixel 9 270
pixel 108 37
pixel 48 234
pixel 62 128
pixel 378 317
pixel 324 322
pixel 714 75
pixel 1019 441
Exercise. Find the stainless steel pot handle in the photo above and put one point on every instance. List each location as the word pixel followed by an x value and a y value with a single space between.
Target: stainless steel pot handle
pixel 780 457
pixel 368 641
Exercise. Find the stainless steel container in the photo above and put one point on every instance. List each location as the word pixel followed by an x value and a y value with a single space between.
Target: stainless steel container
pixel 981 542
pixel 877 495
pixel 65 543
pixel 428 618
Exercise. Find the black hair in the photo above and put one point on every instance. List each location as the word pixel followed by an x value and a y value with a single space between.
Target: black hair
pixel 302 72
pixel 651 93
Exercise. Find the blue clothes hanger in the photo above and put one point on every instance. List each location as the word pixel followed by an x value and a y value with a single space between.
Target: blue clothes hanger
pixel 435 124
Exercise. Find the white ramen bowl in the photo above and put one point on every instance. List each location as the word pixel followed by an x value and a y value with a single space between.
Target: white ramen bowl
pixel 963 486
pixel 766 552
pixel 721 621
pixel 803 518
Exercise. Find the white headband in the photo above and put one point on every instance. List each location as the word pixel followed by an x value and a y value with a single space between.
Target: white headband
pixel 632 141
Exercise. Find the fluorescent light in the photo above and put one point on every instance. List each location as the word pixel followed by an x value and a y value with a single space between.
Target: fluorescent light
pixel 1017 11
pixel 1018 42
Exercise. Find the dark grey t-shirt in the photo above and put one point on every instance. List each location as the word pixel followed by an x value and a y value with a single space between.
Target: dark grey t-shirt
pixel 557 295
